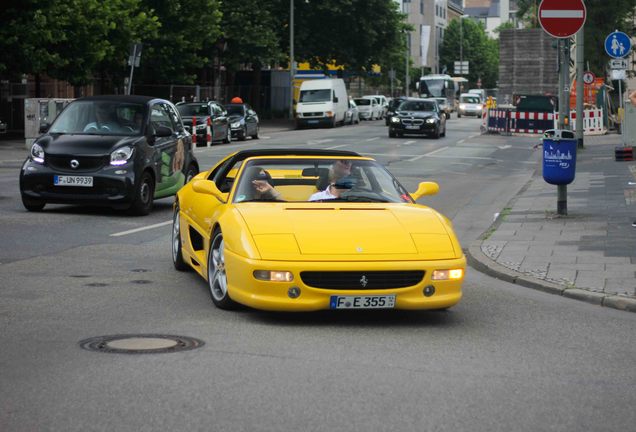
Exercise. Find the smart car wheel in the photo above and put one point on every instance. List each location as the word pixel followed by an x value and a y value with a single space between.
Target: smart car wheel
pixel 144 194
pixel 217 276
pixel 32 204
pixel 191 172
pixel 177 257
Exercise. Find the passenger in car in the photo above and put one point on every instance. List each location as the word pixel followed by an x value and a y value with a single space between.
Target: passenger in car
pixel 335 190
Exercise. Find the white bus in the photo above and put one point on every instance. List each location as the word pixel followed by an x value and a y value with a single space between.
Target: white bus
pixel 439 86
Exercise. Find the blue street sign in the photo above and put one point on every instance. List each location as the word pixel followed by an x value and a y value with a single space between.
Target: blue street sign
pixel 617 44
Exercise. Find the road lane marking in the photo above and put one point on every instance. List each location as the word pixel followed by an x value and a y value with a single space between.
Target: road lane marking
pixel 372 139
pixel 136 230
pixel 338 146
pixel 408 143
pixel 321 141
pixel 427 154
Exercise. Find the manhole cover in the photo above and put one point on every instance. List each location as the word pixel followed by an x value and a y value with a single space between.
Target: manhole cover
pixel 141 344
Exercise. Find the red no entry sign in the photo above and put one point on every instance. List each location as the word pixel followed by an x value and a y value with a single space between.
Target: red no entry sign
pixel 562 18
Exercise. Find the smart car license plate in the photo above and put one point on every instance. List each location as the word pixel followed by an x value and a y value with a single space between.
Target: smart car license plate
pixel 362 302
pixel 83 181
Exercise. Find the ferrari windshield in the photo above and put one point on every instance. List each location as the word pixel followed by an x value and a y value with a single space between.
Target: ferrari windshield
pixel 102 117
pixel 317 180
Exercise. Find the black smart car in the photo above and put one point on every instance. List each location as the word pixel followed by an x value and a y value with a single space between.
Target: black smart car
pixel 116 151
pixel 418 117
pixel 243 121
pixel 195 119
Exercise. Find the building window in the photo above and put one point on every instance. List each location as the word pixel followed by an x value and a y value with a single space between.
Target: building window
pixel 422 7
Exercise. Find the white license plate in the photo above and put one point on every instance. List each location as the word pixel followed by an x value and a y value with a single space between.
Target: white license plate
pixel 362 302
pixel 412 127
pixel 83 181
pixel 312 121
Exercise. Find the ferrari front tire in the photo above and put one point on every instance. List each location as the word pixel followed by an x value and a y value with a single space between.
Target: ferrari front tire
pixel 177 255
pixel 217 275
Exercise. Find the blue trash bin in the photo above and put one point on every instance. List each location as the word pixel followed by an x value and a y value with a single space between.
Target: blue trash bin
pixel 559 156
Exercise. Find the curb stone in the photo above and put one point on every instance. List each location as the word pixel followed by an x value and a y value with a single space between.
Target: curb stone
pixel 482 263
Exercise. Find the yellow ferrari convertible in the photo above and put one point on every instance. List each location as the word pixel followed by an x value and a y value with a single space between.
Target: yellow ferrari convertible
pixel 306 230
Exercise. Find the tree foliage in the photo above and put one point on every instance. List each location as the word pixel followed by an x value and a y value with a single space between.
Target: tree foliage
pixel 185 42
pixel 481 52
pixel 69 39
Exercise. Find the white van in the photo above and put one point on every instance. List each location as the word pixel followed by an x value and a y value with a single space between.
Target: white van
pixel 322 102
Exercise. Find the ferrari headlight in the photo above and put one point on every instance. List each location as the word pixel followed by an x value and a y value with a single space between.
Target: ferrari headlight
pixel 236 125
pixel 430 120
pixel 273 276
pixel 37 153
pixel 121 156
pixel 395 119
pixel 451 274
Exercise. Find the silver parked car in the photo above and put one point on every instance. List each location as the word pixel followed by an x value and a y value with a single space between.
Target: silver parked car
pixel 353 114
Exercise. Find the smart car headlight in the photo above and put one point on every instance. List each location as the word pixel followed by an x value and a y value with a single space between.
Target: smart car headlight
pixel 37 153
pixel 121 156
pixel 395 119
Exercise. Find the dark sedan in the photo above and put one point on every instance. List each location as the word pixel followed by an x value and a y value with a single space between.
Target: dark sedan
pixel 418 117
pixel 116 151
pixel 392 107
pixel 197 116
pixel 243 121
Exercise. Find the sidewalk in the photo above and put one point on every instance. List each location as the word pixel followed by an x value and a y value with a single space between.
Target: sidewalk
pixel 590 254
pixel 276 125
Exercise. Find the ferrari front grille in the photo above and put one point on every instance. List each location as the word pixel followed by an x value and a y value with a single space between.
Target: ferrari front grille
pixel 361 280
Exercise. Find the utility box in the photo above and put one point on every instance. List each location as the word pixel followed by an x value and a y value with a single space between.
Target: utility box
pixel 40 111
pixel 628 126
pixel 559 156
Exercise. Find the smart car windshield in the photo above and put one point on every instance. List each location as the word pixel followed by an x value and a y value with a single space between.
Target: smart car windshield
pixel 102 117
pixel 317 180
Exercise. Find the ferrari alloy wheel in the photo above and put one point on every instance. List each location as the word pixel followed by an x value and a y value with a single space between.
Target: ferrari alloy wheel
pixel 217 276
pixel 191 172
pixel 177 256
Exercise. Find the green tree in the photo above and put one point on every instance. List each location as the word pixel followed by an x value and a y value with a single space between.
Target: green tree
pixel 355 34
pixel 185 42
pixel 478 49
pixel 70 39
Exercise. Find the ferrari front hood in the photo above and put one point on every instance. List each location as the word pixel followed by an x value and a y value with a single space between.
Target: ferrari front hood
pixel 351 232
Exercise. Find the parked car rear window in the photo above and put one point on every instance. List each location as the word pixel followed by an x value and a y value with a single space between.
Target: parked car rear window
pixel 363 101
pixel 194 110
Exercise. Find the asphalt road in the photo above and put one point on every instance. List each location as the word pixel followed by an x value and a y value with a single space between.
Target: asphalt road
pixel 505 358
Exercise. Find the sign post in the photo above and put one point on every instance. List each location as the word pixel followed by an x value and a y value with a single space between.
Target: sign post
pixel 133 61
pixel 617 46
pixel 562 19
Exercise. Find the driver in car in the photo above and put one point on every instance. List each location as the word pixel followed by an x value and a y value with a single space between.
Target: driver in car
pixel 103 121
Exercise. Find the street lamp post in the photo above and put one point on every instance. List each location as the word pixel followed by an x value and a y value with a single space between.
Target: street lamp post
pixel 291 59
pixel 461 48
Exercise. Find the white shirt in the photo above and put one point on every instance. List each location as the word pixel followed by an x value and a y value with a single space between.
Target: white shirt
pixel 323 195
